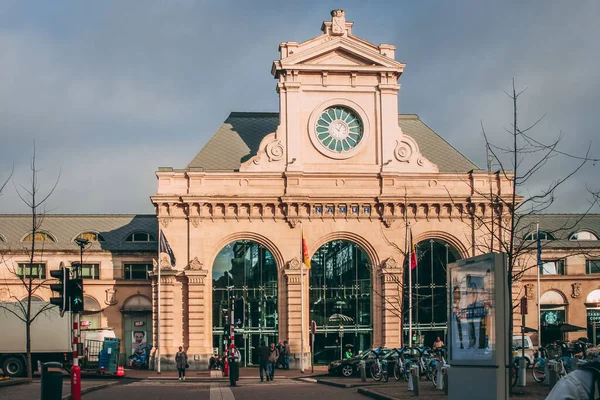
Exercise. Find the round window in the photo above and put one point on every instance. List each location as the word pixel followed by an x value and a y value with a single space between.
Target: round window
pixel 339 129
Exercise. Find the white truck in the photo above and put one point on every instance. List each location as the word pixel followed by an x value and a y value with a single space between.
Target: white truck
pixel 50 338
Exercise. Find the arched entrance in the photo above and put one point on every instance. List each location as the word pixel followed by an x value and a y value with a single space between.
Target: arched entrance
pixel 340 300
pixel 137 323
pixel 553 311
pixel 244 276
pixel 592 304
pixel 429 291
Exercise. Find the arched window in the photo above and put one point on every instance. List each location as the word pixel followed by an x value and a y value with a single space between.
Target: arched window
pixel 583 235
pixel 91 236
pixel 39 237
pixel 33 298
pixel 543 236
pixel 140 237
pixel 92 313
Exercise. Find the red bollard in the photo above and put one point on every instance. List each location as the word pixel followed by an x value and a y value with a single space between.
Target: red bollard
pixel 76 382
pixel 226 368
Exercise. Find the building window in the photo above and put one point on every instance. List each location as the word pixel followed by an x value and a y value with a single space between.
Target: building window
pixel 555 267
pixel 140 237
pixel 583 235
pixel 32 271
pixel 39 237
pixel 90 271
pixel 592 266
pixel 543 236
pixel 137 271
pixel 91 236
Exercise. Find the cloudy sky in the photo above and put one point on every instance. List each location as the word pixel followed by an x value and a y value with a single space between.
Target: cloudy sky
pixel 112 90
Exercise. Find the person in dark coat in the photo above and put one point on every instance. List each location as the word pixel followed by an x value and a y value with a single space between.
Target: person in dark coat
pixel 273 357
pixel 263 361
pixel 181 360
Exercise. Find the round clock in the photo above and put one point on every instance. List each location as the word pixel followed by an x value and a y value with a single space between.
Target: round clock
pixel 339 129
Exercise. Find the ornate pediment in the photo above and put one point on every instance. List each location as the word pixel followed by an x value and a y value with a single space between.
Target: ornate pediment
pixel 339 57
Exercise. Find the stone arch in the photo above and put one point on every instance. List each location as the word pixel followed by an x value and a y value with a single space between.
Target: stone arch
pixel 553 297
pixel 246 235
pixel 448 238
pixel 137 303
pixel 352 237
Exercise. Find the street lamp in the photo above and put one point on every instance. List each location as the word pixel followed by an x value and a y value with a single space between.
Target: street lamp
pixel 77 282
pixel 81 243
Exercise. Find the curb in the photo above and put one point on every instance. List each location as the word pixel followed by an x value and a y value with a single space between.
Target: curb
pixel 344 385
pixel 375 395
pixel 91 389
pixel 11 382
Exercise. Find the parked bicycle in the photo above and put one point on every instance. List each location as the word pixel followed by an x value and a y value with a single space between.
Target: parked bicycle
pixel 400 370
pixel 437 360
pixel 379 367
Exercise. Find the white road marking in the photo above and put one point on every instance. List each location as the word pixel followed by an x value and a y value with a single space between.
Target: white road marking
pixel 218 392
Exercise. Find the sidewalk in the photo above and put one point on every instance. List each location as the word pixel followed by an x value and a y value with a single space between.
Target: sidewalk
pixel 32 390
pixel 394 390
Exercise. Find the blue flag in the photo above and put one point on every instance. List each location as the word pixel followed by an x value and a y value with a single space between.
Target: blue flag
pixel 165 248
pixel 539 247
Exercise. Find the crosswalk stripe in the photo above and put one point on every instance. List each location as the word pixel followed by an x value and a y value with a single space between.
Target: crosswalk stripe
pixel 219 392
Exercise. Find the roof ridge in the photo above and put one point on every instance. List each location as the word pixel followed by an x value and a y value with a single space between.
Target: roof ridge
pixel 238 114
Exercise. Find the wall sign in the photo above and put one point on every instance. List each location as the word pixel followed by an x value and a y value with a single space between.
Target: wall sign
pixel 138 323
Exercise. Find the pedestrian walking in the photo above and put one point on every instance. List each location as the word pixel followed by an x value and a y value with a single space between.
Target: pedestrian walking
pixel 234 365
pixel 263 362
pixel 286 355
pixel 273 357
pixel 182 363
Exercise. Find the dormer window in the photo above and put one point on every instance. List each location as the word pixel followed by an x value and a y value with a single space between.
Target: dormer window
pixel 583 235
pixel 543 236
pixel 91 236
pixel 140 237
pixel 39 237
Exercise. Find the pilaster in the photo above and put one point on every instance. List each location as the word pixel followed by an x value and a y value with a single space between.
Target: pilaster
pixel 293 307
pixel 391 298
pixel 199 332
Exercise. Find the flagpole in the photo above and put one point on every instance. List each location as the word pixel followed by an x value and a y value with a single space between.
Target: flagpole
pixel 158 303
pixel 538 261
pixel 301 302
pixel 409 290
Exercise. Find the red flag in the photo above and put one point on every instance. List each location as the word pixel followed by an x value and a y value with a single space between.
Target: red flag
pixel 305 257
pixel 413 253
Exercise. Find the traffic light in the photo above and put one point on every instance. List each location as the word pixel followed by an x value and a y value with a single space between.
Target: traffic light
pixel 76 295
pixel 62 288
pixel 226 331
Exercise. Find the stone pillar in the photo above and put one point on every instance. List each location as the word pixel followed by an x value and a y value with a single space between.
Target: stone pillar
pixel 169 331
pixel 391 300
pixel 291 308
pixel 199 345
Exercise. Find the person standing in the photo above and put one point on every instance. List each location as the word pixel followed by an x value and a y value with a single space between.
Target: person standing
pixel 234 365
pixel 438 344
pixel 263 361
pixel 286 355
pixel 181 360
pixel 273 357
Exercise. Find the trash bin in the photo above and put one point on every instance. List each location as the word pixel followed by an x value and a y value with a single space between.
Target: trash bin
pixel 52 382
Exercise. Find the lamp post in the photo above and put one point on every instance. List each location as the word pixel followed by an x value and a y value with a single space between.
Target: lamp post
pixel 76 370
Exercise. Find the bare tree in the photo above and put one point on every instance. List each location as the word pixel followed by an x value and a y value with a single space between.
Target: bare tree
pixel 28 274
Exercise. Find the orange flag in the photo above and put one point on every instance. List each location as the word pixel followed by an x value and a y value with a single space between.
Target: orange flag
pixel 413 253
pixel 305 257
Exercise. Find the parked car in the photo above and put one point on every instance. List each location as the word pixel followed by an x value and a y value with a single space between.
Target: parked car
pixel 527 345
pixel 350 366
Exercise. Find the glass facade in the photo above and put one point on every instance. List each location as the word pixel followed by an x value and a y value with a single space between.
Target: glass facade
pixel 429 291
pixel 245 278
pixel 340 300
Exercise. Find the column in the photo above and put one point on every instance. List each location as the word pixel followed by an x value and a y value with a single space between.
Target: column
pixel 291 314
pixel 169 332
pixel 391 298
pixel 198 321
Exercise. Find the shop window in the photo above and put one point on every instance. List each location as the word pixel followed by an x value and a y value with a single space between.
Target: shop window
pixel 136 271
pixel 592 266
pixel 140 237
pixel 36 271
pixel 90 271
pixel 555 267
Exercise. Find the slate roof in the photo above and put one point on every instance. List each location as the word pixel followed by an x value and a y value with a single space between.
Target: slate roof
pixel 237 140
pixel 562 226
pixel 64 228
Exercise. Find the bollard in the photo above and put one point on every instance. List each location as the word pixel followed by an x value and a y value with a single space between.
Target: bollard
pixel 445 372
pixel 363 371
pixel 51 385
pixel 552 373
pixel 546 374
pixel 414 373
pixel 522 372
pixel 384 370
pixel 440 376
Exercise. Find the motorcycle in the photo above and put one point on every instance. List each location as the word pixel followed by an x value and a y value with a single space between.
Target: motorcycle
pixel 140 358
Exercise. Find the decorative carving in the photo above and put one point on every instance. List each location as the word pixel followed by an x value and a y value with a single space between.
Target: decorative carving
pixel 387 222
pixel 165 262
pixel 340 182
pixel 576 290
pixel 338 19
pixel 275 150
pixel 244 182
pixel 293 222
pixel 391 263
pixel 403 151
pixel 164 221
pixel 110 298
pixel 421 161
pixel 195 265
pixel 433 183
pixel 294 263
pixel 195 222
pixel 529 291
pixel 4 295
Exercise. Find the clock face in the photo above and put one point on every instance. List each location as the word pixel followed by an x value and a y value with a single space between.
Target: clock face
pixel 339 129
